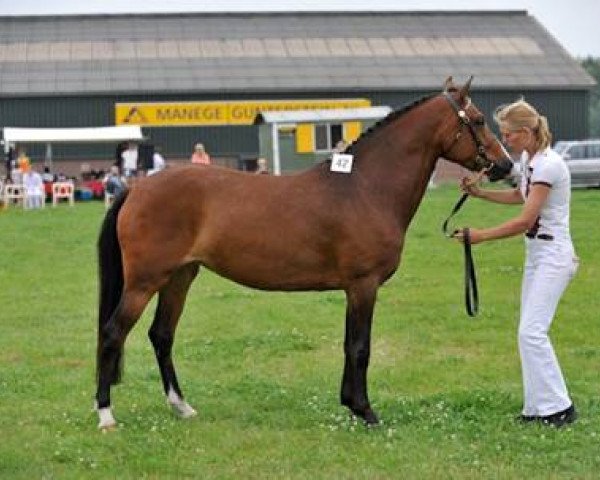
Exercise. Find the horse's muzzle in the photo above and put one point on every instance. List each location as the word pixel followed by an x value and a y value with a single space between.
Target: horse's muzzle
pixel 500 169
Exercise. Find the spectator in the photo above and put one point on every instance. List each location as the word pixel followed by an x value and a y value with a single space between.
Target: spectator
pixel 262 167
pixel 200 156
pixel 23 162
pixel 340 146
pixel 35 193
pixel 47 176
pixel 121 147
pixel 10 161
pixel 130 160
pixel 114 183
pixel 158 162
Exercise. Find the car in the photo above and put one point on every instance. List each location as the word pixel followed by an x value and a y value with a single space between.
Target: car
pixel 582 158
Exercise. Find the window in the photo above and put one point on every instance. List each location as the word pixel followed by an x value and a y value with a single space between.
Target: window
pixel 576 151
pixel 593 150
pixel 321 137
pixel 327 135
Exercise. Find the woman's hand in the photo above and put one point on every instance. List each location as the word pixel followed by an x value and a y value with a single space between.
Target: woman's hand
pixel 475 235
pixel 469 185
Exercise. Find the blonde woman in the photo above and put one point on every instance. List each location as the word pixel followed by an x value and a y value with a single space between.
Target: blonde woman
pixel 550 261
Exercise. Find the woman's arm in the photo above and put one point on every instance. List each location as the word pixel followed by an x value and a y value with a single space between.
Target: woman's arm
pixel 515 226
pixel 512 196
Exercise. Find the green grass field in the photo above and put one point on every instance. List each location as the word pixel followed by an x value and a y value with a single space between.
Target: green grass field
pixel 264 369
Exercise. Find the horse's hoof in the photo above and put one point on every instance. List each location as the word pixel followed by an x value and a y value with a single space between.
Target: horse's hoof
pixel 107 421
pixel 370 418
pixel 183 410
pixel 107 428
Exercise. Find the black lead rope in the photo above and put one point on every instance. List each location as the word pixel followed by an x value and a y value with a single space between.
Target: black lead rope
pixel 454 211
pixel 471 293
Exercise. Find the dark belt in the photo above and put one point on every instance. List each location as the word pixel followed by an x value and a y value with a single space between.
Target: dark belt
pixel 540 236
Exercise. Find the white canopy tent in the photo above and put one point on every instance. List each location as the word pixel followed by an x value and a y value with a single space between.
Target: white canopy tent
pixel 13 135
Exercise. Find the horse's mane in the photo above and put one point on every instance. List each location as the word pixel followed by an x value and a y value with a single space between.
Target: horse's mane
pixel 391 117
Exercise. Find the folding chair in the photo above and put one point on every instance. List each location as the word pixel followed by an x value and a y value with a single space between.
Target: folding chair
pixel 62 190
pixel 14 193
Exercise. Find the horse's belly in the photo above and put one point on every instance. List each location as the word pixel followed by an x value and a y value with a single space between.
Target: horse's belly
pixel 278 279
pixel 273 271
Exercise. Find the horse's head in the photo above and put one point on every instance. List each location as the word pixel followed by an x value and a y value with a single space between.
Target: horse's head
pixel 471 143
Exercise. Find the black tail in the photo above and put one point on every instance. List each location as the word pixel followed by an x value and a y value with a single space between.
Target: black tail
pixel 110 269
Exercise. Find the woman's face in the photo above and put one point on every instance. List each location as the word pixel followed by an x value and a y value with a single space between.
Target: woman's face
pixel 516 139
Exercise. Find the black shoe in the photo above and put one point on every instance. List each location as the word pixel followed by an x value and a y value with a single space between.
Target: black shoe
pixel 527 418
pixel 559 419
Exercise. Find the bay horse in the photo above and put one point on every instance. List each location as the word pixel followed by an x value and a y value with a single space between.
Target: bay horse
pixel 315 230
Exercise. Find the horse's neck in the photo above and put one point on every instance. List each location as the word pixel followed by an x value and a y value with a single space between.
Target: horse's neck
pixel 400 166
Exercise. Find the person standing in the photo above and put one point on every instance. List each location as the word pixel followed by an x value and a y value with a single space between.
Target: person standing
pixel 158 162
pixel 200 156
pixel 261 166
pixel 550 261
pixel 121 147
pixel 340 146
pixel 130 160
pixel 10 161
pixel 35 194
pixel 23 162
pixel 114 183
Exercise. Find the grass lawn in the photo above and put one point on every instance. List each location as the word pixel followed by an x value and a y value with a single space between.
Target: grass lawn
pixel 264 369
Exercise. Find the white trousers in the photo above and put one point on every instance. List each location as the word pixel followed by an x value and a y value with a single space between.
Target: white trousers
pixel 544 387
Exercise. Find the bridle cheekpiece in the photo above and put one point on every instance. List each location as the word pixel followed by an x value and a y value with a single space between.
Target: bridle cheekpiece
pixel 481 160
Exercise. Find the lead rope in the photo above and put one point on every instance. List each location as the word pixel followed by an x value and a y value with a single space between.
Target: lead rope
pixel 471 292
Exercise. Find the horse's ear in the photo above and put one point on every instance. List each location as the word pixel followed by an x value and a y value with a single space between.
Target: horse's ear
pixel 448 84
pixel 464 91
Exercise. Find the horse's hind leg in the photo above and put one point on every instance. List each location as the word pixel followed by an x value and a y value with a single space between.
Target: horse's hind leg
pixel 110 354
pixel 170 305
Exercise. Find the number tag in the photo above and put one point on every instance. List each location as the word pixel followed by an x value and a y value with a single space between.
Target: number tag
pixel 341 162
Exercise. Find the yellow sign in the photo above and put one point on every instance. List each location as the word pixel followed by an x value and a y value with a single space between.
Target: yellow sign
pixel 161 114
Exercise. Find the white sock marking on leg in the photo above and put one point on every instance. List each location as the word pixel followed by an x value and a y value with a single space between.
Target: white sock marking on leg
pixel 181 407
pixel 106 418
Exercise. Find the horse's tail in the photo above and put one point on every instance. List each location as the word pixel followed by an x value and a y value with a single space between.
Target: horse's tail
pixel 110 270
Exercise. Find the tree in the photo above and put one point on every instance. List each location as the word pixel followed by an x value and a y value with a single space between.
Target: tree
pixel 592 66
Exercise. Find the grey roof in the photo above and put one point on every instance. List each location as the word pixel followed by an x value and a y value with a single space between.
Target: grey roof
pixel 270 52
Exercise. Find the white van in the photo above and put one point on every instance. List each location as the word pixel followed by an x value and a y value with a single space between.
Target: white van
pixel 581 156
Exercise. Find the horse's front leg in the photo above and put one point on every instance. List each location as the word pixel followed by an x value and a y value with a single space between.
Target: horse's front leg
pixel 357 345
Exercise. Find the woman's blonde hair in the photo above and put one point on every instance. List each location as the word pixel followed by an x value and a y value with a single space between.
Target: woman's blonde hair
pixel 521 114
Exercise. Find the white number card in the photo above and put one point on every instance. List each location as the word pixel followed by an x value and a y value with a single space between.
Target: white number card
pixel 341 162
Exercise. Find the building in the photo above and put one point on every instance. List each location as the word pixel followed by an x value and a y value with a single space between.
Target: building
pixel 203 77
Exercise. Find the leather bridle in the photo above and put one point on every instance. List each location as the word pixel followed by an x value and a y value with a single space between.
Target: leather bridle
pixel 481 160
